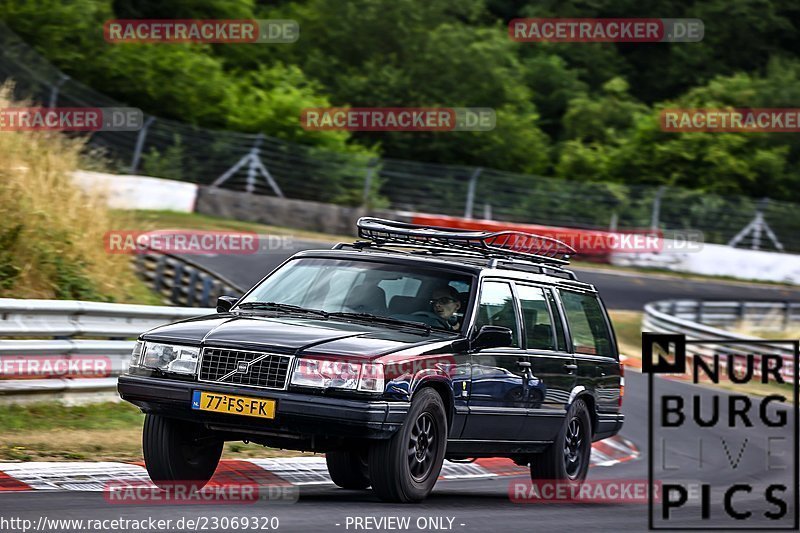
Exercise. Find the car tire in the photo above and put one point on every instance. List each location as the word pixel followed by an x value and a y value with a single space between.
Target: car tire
pixel 567 459
pixel 399 474
pixel 348 469
pixel 178 453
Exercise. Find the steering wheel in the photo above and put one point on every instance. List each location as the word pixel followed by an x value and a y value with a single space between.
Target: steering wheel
pixel 430 314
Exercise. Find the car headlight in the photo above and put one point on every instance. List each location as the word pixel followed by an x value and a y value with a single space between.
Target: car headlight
pixel 337 374
pixel 170 358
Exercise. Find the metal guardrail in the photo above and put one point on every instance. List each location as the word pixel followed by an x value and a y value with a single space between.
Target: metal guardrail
pixel 773 316
pixel 182 281
pixel 62 321
pixel 685 316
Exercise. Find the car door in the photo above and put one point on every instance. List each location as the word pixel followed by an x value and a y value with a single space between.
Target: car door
pixel 552 374
pixel 497 392
pixel 594 346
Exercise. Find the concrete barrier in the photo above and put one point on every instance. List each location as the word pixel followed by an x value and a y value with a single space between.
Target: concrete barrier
pixel 720 260
pixel 140 192
pixel 273 211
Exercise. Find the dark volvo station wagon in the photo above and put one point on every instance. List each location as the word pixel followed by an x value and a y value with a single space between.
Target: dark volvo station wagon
pixel 390 355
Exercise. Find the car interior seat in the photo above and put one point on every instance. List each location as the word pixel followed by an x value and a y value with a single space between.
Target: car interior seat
pixel 367 299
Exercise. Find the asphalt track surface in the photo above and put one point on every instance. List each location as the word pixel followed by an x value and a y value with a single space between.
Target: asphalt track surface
pixel 474 505
pixel 620 290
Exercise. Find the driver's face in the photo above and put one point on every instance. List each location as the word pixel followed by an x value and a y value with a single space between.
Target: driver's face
pixel 443 304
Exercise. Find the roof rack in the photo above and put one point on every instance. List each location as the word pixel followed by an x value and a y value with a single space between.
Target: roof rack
pixel 499 244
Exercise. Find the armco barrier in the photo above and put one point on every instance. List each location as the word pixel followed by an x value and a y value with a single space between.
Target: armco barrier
pixel 183 282
pixel 62 321
pixel 672 316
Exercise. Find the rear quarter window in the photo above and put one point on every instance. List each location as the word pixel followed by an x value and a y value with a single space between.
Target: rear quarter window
pixel 587 324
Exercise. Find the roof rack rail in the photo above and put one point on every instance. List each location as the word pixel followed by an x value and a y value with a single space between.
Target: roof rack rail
pixel 504 244
pixel 527 266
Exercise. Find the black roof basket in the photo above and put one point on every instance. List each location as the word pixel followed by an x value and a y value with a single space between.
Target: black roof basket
pixel 497 244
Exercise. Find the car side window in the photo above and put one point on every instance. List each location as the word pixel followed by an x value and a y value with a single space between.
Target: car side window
pixel 536 318
pixel 496 308
pixel 587 324
pixel 561 339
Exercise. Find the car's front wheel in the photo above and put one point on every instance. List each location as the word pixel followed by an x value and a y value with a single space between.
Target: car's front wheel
pixel 348 469
pixel 178 453
pixel 567 459
pixel 405 467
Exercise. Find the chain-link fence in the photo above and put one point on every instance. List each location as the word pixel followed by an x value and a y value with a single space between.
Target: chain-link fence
pixel 264 165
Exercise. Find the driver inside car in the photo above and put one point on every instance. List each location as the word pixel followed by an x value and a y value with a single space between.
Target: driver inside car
pixel 445 303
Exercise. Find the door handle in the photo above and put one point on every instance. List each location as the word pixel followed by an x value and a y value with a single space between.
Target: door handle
pixel 524 364
pixel 571 367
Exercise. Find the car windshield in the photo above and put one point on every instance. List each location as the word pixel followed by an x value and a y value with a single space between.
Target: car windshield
pixel 361 288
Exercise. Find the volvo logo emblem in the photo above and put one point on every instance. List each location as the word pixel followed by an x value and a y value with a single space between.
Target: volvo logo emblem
pixel 242 367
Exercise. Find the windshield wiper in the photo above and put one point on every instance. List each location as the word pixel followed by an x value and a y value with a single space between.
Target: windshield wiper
pixel 382 319
pixel 275 306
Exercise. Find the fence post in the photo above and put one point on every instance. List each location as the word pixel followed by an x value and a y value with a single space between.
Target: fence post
pixel 371 164
pixel 54 91
pixel 656 214
pixel 473 182
pixel 137 152
pixel 252 169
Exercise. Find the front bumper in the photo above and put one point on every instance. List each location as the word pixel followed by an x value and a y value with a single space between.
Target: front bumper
pixel 297 415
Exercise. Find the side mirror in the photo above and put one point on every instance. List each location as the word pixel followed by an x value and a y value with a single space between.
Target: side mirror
pixel 224 303
pixel 491 337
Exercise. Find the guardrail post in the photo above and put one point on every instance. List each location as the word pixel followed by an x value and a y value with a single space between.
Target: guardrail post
pixel 191 287
pixel 787 312
pixel 176 284
pixel 207 284
pixel 699 312
pixel 159 279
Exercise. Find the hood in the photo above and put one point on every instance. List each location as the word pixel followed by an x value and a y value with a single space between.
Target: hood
pixel 296 335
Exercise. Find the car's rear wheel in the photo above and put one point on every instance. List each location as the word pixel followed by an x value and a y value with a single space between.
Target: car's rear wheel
pixel 567 459
pixel 178 453
pixel 348 469
pixel 405 467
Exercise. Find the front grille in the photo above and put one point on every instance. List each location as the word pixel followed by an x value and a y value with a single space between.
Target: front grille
pixel 264 370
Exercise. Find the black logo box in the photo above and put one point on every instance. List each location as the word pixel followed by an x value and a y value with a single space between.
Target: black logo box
pixel 678 366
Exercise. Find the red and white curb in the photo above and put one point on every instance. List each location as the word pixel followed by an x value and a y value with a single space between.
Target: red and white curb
pixel 298 471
